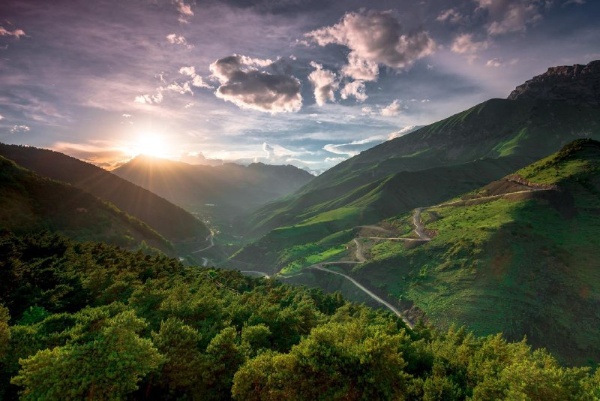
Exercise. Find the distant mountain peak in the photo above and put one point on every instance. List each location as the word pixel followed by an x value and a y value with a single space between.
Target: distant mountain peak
pixel 574 84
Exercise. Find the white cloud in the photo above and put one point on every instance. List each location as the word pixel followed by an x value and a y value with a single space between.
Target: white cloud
pixel 17 33
pixel 1 117
pixel 353 148
pixel 150 99
pixel 185 10
pixel 324 82
pixel 374 38
pixel 354 89
pixel 244 84
pixel 498 62
pixel 182 89
pixel 125 115
pixel 360 69
pixel 178 40
pixel 19 128
pixel 197 80
pixel 508 16
pixel 465 44
pixel 392 110
pixel 403 131
pixel 450 15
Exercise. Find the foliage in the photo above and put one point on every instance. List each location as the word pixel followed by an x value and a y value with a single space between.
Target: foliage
pixel 91 321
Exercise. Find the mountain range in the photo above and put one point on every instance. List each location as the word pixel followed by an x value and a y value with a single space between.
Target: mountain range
pixel 488 265
pixel 225 190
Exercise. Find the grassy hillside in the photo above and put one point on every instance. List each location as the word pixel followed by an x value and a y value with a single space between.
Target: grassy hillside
pixel 525 263
pixel 492 139
pixel 30 203
pixel 169 220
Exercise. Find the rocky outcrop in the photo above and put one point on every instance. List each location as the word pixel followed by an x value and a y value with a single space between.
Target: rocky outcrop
pixel 577 84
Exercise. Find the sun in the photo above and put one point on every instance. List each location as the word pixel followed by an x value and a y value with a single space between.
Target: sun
pixel 150 144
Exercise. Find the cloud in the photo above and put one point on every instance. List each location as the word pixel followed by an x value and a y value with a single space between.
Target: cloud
pixel 507 16
pixel 197 80
pixel 199 158
pixel 185 11
pixel 278 153
pixel 182 89
pixel 392 110
pixel 354 89
pixel 178 40
pixel 17 33
pixel 1 117
pixel 403 131
pixel 245 83
pixel 19 129
pixel 465 44
pixel 353 148
pixel 450 15
pixel 576 2
pixel 150 99
pixel 498 62
pixel 325 84
pixel 374 38
pixel 100 153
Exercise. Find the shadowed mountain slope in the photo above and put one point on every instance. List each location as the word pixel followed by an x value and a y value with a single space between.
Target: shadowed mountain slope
pixel 231 188
pixel 30 203
pixel 169 220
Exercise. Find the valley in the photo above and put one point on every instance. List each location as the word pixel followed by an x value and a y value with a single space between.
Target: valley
pixel 221 277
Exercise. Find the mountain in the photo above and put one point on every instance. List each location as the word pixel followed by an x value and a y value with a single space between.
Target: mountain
pixel 437 162
pixel 31 203
pixel 519 255
pixel 228 189
pixel 171 221
pixel 578 84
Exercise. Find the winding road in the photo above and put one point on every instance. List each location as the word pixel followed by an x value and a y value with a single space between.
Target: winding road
pixel 263 274
pixel 366 291
pixel 211 238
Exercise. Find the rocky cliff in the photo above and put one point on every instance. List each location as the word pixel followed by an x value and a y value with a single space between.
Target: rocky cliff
pixel 577 84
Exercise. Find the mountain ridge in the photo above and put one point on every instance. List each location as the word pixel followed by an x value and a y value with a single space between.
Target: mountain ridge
pixel 31 203
pixel 171 221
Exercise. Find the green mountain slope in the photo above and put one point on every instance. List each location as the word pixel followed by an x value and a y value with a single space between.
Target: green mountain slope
pixel 30 203
pixel 169 220
pixel 518 256
pixel 500 135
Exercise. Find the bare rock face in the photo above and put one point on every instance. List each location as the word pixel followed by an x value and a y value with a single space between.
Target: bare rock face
pixel 578 84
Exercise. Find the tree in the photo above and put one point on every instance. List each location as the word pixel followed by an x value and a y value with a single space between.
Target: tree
pixel 107 367
pixel 4 331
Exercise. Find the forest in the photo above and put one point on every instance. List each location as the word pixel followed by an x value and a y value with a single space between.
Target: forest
pixel 92 321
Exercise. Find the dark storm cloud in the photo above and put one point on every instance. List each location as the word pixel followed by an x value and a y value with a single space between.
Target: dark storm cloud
pixel 246 83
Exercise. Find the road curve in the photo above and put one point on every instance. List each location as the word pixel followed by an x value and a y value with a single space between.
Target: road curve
pixel 359 251
pixel 210 238
pixel 265 275
pixel 366 291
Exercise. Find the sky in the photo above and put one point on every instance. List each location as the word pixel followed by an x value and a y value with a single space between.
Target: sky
pixel 303 82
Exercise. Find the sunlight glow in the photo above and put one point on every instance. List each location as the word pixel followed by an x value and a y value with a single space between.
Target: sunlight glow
pixel 150 144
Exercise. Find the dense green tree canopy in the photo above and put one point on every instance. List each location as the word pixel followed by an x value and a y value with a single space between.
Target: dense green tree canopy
pixel 91 321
